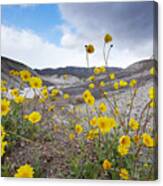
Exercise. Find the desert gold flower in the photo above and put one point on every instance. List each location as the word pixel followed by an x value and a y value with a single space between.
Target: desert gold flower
pixel 15 92
pixel 14 73
pixel 107 38
pixel 123 83
pixel 90 100
pixel 152 104
pixel 3 145
pixel 44 93
pixel 35 82
pixel 71 136
pixel 124 174
pixel 133 83
pixel 112 76
pixel 93 121
pixel 105 124
pixel 106 165
pixel 148 140
pixel 102 83
pixel 116 111
pixel 78 129
pixel 152 71
pixel 54 92
pixel 133 124
pixel 125 141
pixel 19 99
pixel 102 69
pixel 34 117
pixel 123 150
pixel 102 107
pixel 25 75
pixel 116 85
pixel 5 107
pixel 136 139
pixel 26 116
pixel 92 134
pixel 91 78
pixel 91 85
pixel 66 96
pixel 86 94
pixel 25 171
pixel 2 132
pixel 51 108
pixel 90 48
pixel 105 93
pixel 3 82
pixel 4 89
pixel 97 70
pixel 152 93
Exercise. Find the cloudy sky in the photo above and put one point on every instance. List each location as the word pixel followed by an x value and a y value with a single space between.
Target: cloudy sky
pixel 54 35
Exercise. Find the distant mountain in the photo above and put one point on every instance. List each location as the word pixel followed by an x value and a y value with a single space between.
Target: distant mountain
pixel 75 83
pixel 80 72
pixel 10 64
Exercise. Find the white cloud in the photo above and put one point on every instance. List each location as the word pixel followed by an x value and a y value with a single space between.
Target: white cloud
pixel 29 48
pixel 85 23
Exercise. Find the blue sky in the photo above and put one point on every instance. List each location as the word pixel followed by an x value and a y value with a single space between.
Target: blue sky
pixel 54 35
pixel 41 19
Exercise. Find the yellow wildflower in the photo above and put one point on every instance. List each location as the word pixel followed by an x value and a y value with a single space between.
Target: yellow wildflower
pixel 51 108
pixel 25 116
pixel 123 150
pixel 14 73
pixel 93 121
pixel 102 69
pixel 133 124
pixel 92 134
pixel 102 107
pixel 71 136
pixel 25 75
pixel 148 140
pixel 125 141
pixel 78 129
pixel 102 83
pixel 123 83
pixel 15 92
pixel 44 93
pixel 4 89
pixel 152 71
pixel 97 70
pixel 116 111
pixel 91 78
pixel 86 94
pixel 124 174
pixel 91 85
pixel 19 99
pixel 3 145
pixel 152 104
pixel 35 82
pixel 25 171
pixel 133 83
pixel 54 92
pixel 112 76
pixel 105 124
pixel 5 107
pixel 107 38
pixel 90 100
pixel 90 48
pixel 34 117
pixel 136 139
pixel 66 96
pixel 116 85
pixel 106 165
pixel 152 93
pixel 2 132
